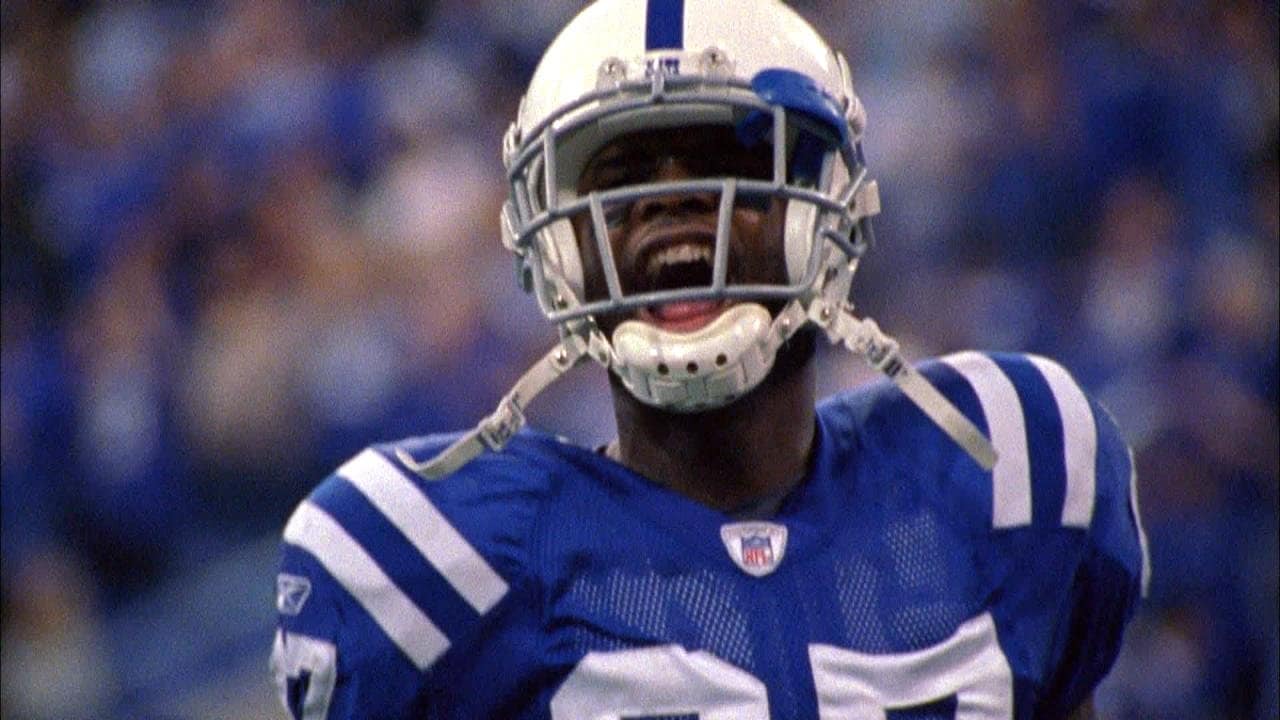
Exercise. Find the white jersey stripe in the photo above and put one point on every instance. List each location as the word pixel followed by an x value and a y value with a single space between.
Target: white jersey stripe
pixel 426 528
pixel 313 530
pixel 1079 441
pixel 1011 476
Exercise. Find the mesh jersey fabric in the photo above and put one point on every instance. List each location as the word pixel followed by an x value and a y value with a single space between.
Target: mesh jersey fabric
pixel 484 594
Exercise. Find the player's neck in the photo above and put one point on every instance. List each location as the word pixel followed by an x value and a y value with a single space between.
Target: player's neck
pixel 755 448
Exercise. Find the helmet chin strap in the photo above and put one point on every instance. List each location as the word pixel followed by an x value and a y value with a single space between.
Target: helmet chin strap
pixel 496 430
pixel 859 336
pixel 634 351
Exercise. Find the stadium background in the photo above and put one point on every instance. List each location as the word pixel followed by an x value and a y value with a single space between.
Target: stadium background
pixel 243 239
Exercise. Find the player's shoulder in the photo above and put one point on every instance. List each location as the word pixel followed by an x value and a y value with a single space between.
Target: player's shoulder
pixel 386 510
pixel 378 542
pixel 1060 454
pixel 383 572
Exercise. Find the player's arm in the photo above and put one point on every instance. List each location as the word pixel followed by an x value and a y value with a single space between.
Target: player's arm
pixel 1099 508
pixel 328 660
pixel 1065 482
pixel 376 585
pixel 1110 579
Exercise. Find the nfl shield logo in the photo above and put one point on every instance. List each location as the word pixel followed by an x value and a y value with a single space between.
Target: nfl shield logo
pixel 755 547
pixel 757 551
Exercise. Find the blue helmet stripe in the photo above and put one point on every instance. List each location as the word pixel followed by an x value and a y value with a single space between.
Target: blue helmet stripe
pixel 664 25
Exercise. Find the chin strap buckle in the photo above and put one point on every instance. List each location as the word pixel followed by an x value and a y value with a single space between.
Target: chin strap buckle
pixel 496 430
pixel 864 337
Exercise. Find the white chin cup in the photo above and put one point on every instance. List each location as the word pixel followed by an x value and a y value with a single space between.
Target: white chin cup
pixel 698 370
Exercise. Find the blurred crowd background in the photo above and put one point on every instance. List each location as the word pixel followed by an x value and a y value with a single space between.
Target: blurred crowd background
pixel 243 239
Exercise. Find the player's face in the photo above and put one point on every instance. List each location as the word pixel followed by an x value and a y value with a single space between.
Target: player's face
pixel 668 242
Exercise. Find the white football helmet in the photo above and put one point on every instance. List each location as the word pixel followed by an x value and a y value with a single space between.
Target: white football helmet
pixel 626 65
pixel 623 66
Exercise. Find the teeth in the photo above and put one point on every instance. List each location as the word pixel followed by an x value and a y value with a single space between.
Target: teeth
pixel 685 253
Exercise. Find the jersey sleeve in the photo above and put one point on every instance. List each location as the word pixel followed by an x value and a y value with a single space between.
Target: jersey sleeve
pixel 1110 580
pixel 1068 555
pixel 378 587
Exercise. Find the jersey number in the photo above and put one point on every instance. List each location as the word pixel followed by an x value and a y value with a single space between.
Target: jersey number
pixel 669 681
pixel 305 669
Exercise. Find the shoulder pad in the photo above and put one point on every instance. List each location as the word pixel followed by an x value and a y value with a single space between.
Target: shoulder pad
pixel 1060 455
pixel 1063 460
pixel 423 560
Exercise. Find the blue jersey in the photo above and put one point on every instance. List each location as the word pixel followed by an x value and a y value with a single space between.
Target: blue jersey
pixel 898 580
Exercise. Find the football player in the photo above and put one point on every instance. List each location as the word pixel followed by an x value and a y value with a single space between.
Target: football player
pixel 688 203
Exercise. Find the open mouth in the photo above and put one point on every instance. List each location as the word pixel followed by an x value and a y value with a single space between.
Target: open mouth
pixel 685 264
